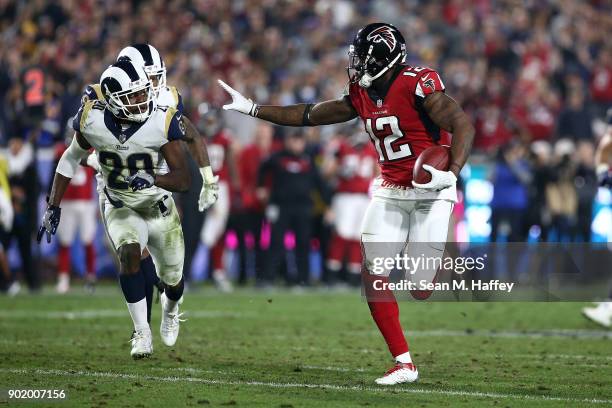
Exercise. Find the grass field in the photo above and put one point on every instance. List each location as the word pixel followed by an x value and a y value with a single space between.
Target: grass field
pixel 297 350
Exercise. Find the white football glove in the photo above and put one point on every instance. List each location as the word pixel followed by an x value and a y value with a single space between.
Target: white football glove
pixel 210 189
pixel 239 102
pixel 439 179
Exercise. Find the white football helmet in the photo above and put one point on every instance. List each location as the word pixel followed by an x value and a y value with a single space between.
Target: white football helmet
pixel 127 91
pixel 149 58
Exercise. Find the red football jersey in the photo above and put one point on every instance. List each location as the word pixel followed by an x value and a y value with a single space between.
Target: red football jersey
pixel 217 148
pixel 356 164
pixel 81 185
pixel 398 125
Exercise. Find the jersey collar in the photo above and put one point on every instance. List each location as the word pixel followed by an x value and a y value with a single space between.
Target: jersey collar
pixel 375 96
pixel 112 124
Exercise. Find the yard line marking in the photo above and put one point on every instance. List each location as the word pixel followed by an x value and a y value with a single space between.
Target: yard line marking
pixel 475 394
pixel 531 334
pixel 300 366
pixel 107 313
pixel 570 356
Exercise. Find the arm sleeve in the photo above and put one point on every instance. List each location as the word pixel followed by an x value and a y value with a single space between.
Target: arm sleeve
pixel 175 127
pixel 179 103
pixel 71 158
pixel 76 120
pixel 90 94
pixel 428 83
pixel 79 120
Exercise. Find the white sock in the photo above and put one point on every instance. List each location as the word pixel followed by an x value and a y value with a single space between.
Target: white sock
pixel 404 358
pixel 138 311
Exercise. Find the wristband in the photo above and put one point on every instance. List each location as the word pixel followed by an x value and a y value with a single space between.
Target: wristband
pixel 254 110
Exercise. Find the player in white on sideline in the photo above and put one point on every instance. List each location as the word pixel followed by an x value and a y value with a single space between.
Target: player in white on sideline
pixel 132 136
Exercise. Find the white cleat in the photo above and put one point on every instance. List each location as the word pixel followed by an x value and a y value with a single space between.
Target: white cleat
pixel 142 344
pixel 170 321
pixel 400 373
pixel 63 283
pixel 13 289
pixel 222 282
pixel 601 314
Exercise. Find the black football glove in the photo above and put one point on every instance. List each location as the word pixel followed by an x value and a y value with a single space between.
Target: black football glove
pixel 140 181
pixel 50 221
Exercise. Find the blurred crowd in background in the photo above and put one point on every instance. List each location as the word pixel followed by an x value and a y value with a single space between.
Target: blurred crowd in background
pixel 535 76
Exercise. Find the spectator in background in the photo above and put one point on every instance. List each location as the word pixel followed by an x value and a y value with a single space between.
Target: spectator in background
pixel 33 83
pixel 79 208
pixel 321 228
pixel 24 193
pixel 250 218
pixel 9 284
pixel 511 176
pixel 223 163
pixel 575 121
pixel 351 161
pixel 286 181
pixel 491 128
pixel 601 80
pixel 538 211
pixel 561 195
pixel 585 181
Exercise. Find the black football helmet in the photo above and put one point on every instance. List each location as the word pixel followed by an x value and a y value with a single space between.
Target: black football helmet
pixel 376 48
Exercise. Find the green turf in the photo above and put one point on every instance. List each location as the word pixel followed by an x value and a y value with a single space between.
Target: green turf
pixel 297 350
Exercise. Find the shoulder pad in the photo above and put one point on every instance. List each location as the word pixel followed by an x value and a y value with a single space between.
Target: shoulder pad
pixel 92 92
pixel 174 127
pixel 80 119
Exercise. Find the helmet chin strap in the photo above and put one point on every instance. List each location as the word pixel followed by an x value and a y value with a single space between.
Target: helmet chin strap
pixel 366 80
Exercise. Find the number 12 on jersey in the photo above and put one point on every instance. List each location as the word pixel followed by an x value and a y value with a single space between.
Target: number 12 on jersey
pixel 385 136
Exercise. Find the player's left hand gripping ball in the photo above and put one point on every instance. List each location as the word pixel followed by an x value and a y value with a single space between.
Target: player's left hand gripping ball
pixel 210 189
pixel 50 221
pixel 439 179
pixel 140 181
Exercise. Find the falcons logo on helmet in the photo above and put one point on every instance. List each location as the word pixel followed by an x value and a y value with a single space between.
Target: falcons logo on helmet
pixel 385 35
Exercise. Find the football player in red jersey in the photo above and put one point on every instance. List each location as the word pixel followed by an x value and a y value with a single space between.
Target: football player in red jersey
pixel 351 160
pixel 405 110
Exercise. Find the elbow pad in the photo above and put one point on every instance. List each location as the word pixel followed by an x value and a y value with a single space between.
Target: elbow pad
pixel 70 160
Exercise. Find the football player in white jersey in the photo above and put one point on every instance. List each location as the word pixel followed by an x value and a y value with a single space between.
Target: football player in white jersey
pixel 149 58
pixel 132 137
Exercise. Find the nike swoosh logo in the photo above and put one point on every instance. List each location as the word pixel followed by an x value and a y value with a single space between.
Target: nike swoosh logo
pixel 425 77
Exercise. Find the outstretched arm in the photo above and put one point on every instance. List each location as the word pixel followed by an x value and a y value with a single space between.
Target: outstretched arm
pixel 322 113
pixel 446 113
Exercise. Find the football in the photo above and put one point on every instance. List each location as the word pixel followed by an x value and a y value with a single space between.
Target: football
pixel 435 156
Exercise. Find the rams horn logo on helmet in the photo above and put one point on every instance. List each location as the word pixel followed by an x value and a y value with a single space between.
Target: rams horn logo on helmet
pixel 383 34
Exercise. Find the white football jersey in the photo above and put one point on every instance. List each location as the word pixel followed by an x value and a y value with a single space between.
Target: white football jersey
pixel 169 96
pixel 122 151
